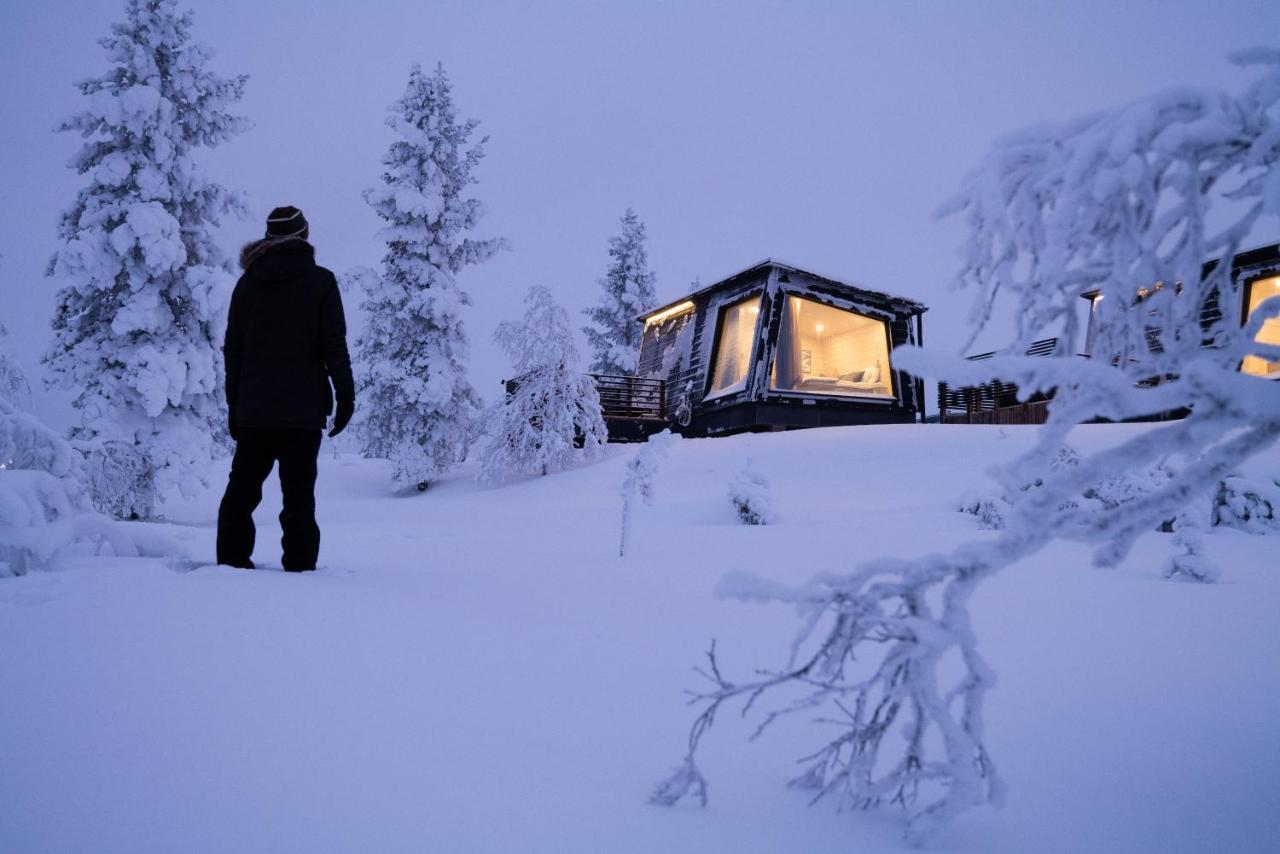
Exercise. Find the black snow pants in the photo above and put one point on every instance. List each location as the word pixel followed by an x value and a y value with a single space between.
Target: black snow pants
pixel 256 451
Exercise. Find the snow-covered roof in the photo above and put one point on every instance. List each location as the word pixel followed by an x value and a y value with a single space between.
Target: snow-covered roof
pixel 784 266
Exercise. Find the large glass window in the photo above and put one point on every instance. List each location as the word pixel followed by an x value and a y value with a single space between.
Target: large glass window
pixel 1260 290
pixel 736 334
pixel 825 350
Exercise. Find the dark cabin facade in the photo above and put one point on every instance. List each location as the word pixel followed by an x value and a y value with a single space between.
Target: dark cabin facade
pixel 1256 273
pixel 773 347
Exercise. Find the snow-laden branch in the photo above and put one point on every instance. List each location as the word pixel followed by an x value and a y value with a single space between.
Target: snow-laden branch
pixel 1114 202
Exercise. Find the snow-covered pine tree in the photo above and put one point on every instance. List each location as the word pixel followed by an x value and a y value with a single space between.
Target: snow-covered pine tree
pixel 628 292
pixel 1116 201
pixel 551 417
pixel 420 409
pixel 144 285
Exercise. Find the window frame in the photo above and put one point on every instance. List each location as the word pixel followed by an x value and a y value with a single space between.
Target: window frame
pixel 709 395
pixel 886 324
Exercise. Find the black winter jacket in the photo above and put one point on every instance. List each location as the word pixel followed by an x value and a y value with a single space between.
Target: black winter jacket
pixel 286 339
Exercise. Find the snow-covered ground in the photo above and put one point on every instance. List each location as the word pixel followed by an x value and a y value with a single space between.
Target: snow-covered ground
pixel 475 669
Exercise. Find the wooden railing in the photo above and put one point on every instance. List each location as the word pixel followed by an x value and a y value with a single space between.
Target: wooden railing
pixel 631 398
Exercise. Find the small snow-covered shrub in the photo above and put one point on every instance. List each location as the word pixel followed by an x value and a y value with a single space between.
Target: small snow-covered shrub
pixel 36 519
pixel 40 492
pixel 751 498
pixel 990 508
pixel 45 511
pixel 1248 504
pixel 1191 564
pixel 1117 489
pixel 120 478
pixel 638 484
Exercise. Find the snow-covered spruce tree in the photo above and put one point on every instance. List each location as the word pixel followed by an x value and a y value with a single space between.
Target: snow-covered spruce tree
pixel 551 415
pixel 419 406
pixel 1114 201
pixel 628 292
pixel 138 319
pixel 639 483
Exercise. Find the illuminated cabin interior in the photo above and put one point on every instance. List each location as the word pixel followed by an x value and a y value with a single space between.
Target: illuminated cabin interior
pixel 776 347
pixel 1256 291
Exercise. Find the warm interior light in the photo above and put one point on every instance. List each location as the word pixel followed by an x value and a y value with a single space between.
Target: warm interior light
pixel 1259 291
pixel 832 351
pixel 679 308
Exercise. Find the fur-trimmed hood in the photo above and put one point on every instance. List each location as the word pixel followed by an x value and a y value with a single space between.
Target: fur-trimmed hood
pixel 256 249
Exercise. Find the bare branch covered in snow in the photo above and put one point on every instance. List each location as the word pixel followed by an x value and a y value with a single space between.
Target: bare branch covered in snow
pixel 1115 201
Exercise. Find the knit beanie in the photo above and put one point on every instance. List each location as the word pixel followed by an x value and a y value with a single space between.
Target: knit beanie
pixel 287 221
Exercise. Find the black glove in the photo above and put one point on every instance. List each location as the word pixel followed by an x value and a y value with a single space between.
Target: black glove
pixel 342 417
pixel 231 424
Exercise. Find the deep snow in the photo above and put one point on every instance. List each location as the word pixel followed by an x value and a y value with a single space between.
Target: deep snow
pixel 475 669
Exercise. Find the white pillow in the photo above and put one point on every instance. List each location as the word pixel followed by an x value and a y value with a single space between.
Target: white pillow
pixel 871 374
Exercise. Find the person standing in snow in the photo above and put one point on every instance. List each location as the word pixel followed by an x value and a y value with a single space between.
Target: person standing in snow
pixel 286 344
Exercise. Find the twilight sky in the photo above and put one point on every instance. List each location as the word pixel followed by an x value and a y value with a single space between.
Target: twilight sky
pixel 821 133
